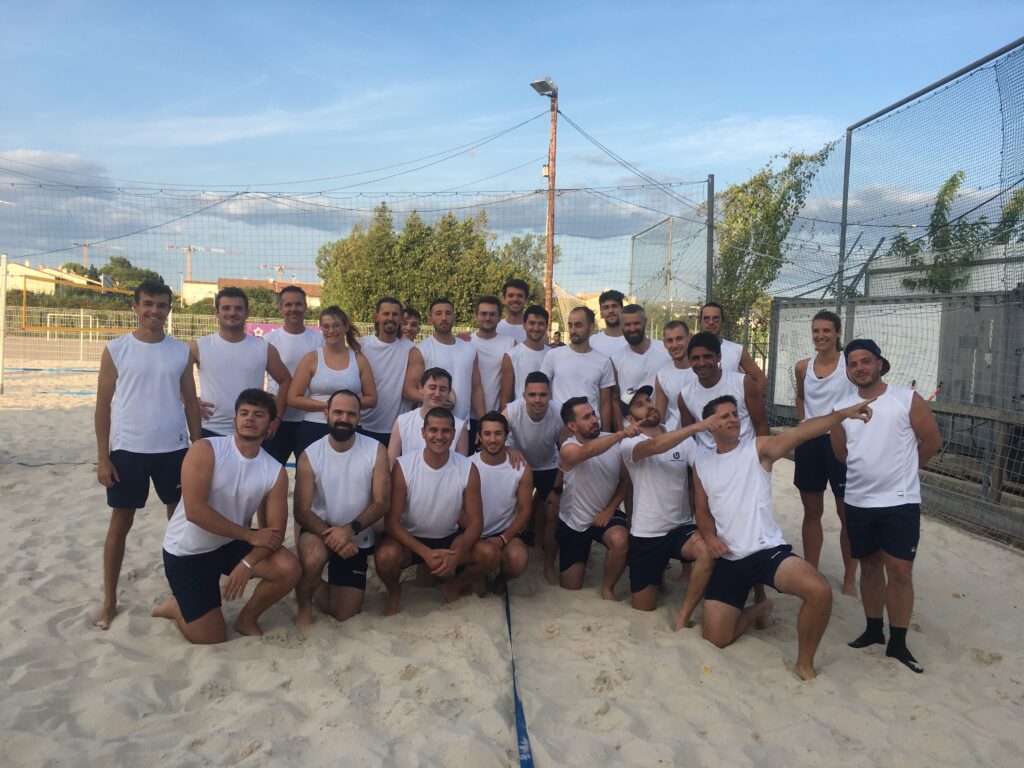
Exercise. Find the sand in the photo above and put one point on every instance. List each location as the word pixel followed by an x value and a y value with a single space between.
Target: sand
pixel 601 684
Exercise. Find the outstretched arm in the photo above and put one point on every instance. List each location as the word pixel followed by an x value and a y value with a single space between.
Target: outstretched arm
pixel 666 441
pixel 572 454
pixel 771 449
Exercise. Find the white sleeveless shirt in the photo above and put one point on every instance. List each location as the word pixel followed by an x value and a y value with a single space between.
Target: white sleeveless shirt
pixel 588 487
pixel 515 332
pixel 292 347
pixel 696 396
pixel 881 462
pixel 671 380
pixel 147 415
pixel 578 374
pixel 524 362
pixel 433 499
pixel 489 356
pixel 457 359
pixel 822 393
pixel 537 440
pixel 732 353
pixel 238 486
pixel 343 482
pixel 661 499
pixel 499 487
pixel 388 362
pixel 410 431
pixel 225 369
pixel 326 381
pixel 739 493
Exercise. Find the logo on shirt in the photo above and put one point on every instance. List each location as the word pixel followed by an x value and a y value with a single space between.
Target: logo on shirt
pixel 676 455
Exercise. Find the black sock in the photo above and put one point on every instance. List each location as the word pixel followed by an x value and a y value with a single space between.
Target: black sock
pixel 873 635
pixel 898 650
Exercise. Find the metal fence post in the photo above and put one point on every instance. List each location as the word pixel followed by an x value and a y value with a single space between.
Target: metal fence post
pixel 710 277
pixel 3 315
pixel 842 223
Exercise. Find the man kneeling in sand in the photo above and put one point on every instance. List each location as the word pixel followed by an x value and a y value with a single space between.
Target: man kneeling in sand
pixel 733 485
pixel 223 482
pixel 342 487
pixel 435 516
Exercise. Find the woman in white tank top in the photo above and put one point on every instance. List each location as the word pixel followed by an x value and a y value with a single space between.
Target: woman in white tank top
pixel 822 383
pixel 339 364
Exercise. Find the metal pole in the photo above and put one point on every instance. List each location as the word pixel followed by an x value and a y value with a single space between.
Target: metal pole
pixel 710 277
pixel 549 263
pixel 668 270
pixel 3 315
pixel 632 244
pixel 842 223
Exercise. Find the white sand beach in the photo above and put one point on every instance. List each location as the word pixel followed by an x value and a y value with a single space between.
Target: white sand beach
pixel 601 684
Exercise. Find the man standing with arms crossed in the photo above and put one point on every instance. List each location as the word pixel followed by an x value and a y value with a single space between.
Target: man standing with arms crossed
pixel 734 356
pixel 514 293
pixel 580 371
pixel 146 411
pixel 292 341
pixel 883 494
pixel 388 356
pixel 342 487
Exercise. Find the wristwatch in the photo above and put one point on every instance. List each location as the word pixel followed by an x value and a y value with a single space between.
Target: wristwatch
pixel 356 527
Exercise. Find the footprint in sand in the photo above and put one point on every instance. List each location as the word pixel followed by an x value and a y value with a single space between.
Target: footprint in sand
pixel 985 658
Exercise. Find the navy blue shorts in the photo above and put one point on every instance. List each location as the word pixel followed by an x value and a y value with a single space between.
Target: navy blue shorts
pixel 442 543
pixel 816 466
pixel 307 434
pixel 544 481
pixel 384 438
pixel 348 571
pixel 895 530
pixel 574 546
pixel 210 433
pixel 732 580
pixel 195 579
pixel 282 445
pixel 649 556
pixel 134 471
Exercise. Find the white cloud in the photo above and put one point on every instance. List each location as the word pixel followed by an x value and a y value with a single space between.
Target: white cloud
pixel 36 162
pixel 744 137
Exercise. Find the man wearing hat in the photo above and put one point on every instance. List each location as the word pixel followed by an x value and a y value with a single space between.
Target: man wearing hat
pixel 883 493
pixel 662 527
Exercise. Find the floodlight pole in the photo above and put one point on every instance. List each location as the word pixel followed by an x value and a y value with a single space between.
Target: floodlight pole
pixel 3 315
pixel 549 262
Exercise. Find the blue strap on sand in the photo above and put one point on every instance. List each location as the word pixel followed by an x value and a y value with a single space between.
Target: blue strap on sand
pixel 522 736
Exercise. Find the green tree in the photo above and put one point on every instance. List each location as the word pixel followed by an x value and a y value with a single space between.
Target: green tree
pixel 945 252
pixel 124 274
pixel 754 221
pixel 1009 229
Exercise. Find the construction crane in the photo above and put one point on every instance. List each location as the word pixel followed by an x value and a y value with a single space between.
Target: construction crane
pixel 280 269
pixel 86 246
pixel 190 249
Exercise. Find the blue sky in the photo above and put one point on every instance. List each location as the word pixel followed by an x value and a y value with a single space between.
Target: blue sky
pixel 217 96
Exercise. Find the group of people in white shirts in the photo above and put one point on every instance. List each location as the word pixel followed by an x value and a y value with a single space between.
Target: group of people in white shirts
pixel 448 453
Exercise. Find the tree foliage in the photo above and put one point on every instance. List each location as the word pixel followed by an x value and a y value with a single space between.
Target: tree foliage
pixel 944 254
pixel 453 257
pixel 124 274
pixel 754 221
pixel 1009 229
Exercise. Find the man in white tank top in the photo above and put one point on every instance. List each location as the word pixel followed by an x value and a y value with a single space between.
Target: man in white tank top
pixel 528 355
pixel 388 355
pixel 435 517
pixel 637 364
pixel 535 425
pixel 224 480
pixel 506 492
pixel 734 356
pixel 146 412
pixel 662 526
pixel 342 487
pixel 493 361
pixel 407 432
pixel 733 485
pixel 883 494
pixel 577 370
pixel 514 294
pixel 292 341
pixel 709 381
pixel 595 485
pixel 610 340
pixel 230 361
pixel 669 380
pixel 444 350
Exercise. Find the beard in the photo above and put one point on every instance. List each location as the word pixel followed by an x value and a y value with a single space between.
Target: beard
pixel 342 431
pixel 634 338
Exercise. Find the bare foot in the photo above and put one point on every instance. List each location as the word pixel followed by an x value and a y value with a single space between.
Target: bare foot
pixel 391 605
pixel 608 594
pixel 166 610
pixel 303 620
pixel 248 628
pixel 450 594
pixel 550 576
pixel 764 610
pixel 105 616
pixel 805 673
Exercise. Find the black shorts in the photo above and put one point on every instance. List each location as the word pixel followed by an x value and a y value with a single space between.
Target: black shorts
pixel 384 438
pixel 574 546
pixel 134 471
pixel 443 543
pixel 894 530
pixel 544 481
pixel 731 580
pixel 474 430
pixel 307 434
pixel 350 571
pixel 817 466
pixel 649 556
pixel 210 433
pixel 282 445
pixel 195 579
